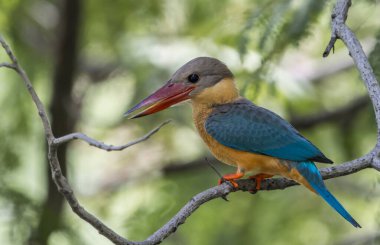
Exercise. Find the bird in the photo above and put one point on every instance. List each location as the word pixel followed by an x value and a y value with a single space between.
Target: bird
pixel 239 132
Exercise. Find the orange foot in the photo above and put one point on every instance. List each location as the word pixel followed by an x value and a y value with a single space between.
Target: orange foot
pixel 231 178
pixel 258 178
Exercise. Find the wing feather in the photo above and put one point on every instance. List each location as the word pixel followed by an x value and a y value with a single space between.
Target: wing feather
pixel 244 126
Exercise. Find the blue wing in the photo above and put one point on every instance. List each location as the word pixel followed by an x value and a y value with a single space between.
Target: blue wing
pixel 244 126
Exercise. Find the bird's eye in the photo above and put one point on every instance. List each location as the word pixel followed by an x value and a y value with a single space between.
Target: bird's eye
pixel 193 78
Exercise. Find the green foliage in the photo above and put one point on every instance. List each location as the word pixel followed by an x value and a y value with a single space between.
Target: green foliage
pixel 276 24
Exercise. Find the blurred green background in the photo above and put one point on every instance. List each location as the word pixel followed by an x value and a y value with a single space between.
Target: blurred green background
pixel 92 60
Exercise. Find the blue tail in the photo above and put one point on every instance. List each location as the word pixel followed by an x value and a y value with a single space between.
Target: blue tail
pixel 310 172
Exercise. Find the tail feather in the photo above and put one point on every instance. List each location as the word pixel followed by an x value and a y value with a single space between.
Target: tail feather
pixel 310 172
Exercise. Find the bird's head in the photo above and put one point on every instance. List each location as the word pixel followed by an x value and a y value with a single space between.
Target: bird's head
pixel 188 82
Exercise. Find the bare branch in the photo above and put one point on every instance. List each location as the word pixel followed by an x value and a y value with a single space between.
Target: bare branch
pixel 330 46
pixel 7 65
pixel 341 31
pixel 40 107
pixel 250 185
pixel 370 160
pixel 106 147
pixel 62 184
pixel 339 17
pixel 8 51
pixel 376 163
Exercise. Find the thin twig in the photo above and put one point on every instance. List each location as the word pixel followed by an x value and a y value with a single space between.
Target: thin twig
pixel 330 46
pixel 339 29
pixel 338 17
pixel 103 146
pixel 7 65
pixel 40 107
pixel 214 168
pixel 220 177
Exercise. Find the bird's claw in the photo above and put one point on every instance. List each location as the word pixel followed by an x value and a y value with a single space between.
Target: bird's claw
pixel 258 178
pixel 230 181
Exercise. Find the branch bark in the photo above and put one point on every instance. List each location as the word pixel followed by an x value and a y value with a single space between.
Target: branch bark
pixel 370 160
pixel 103 146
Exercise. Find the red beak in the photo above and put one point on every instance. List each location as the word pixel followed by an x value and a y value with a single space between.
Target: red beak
pixel 169 94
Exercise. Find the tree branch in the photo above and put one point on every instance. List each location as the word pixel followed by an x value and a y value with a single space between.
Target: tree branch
pixel 103 146
pixel 340 30
pixel 370 160
pixel 40 107
pixel 339 17
pixel 7 65
pixel 62 184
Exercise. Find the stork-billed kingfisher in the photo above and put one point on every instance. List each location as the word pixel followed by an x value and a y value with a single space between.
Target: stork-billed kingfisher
pixel 238 132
